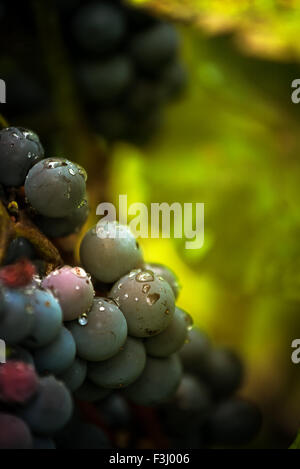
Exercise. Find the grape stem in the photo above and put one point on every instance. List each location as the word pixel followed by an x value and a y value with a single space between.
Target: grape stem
pixel 12 226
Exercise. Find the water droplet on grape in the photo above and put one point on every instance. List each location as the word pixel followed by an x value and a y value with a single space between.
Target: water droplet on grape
pixel 36 279
pixel 152 298
pixel 53 164
pixel 82 172
pixel 189 320
pixel 101 308
pixel 79 272
pixel 136 299
pixel 83 319
pixel 126 296
pixel 133 273
pixel 145 276
pixel 146 288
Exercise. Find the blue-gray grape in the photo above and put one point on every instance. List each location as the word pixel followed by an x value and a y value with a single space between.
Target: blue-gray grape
pixel 147 302
pixel 18 318
pixel 55 187
pixel 158 382
pixel 109 250
pixel 58 356
pixel 50 409
pixel 172 338
pixel 74 376
pixel 167 274
pixel 20 149
pixel 100 334
pixel 122 369
pixel 61 227
pixel 47 319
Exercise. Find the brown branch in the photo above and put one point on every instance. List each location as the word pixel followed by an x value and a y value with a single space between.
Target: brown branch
pixel 11 227
pixel 6 231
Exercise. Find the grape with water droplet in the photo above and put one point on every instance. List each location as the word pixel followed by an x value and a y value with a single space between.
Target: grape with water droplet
pixel 148 312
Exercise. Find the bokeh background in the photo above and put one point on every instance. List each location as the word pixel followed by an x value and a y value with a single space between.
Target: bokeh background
pixel 231 142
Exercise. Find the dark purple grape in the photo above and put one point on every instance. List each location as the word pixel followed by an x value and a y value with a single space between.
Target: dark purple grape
pixel 14 433
pixel 20 149
pixel 234 422
pixel 155 47
pixel 50 409
pixel 98 27
pixel 19 248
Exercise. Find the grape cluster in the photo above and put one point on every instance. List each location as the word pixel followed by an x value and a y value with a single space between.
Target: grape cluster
pixel 124 65
pixel 105 330
pixel 54 187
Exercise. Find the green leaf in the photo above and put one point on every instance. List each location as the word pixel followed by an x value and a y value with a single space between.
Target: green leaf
pixel 266 28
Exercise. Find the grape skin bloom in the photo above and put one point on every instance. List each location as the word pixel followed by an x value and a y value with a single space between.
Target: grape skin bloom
pixel 55 187
pixel 50 409
pixel 20 149
pixel 109 251
pixel 171 339
pixel 47 319
pixel 158 382
pixel 104 333
pixel 122 369
pixel 146 300
pixel 57 356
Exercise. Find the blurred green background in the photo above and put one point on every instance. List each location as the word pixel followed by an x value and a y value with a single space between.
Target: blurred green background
pixel 233 143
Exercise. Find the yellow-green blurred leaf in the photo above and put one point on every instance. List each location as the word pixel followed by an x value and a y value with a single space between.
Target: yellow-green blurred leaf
pixel 267 28
pixel 296 444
